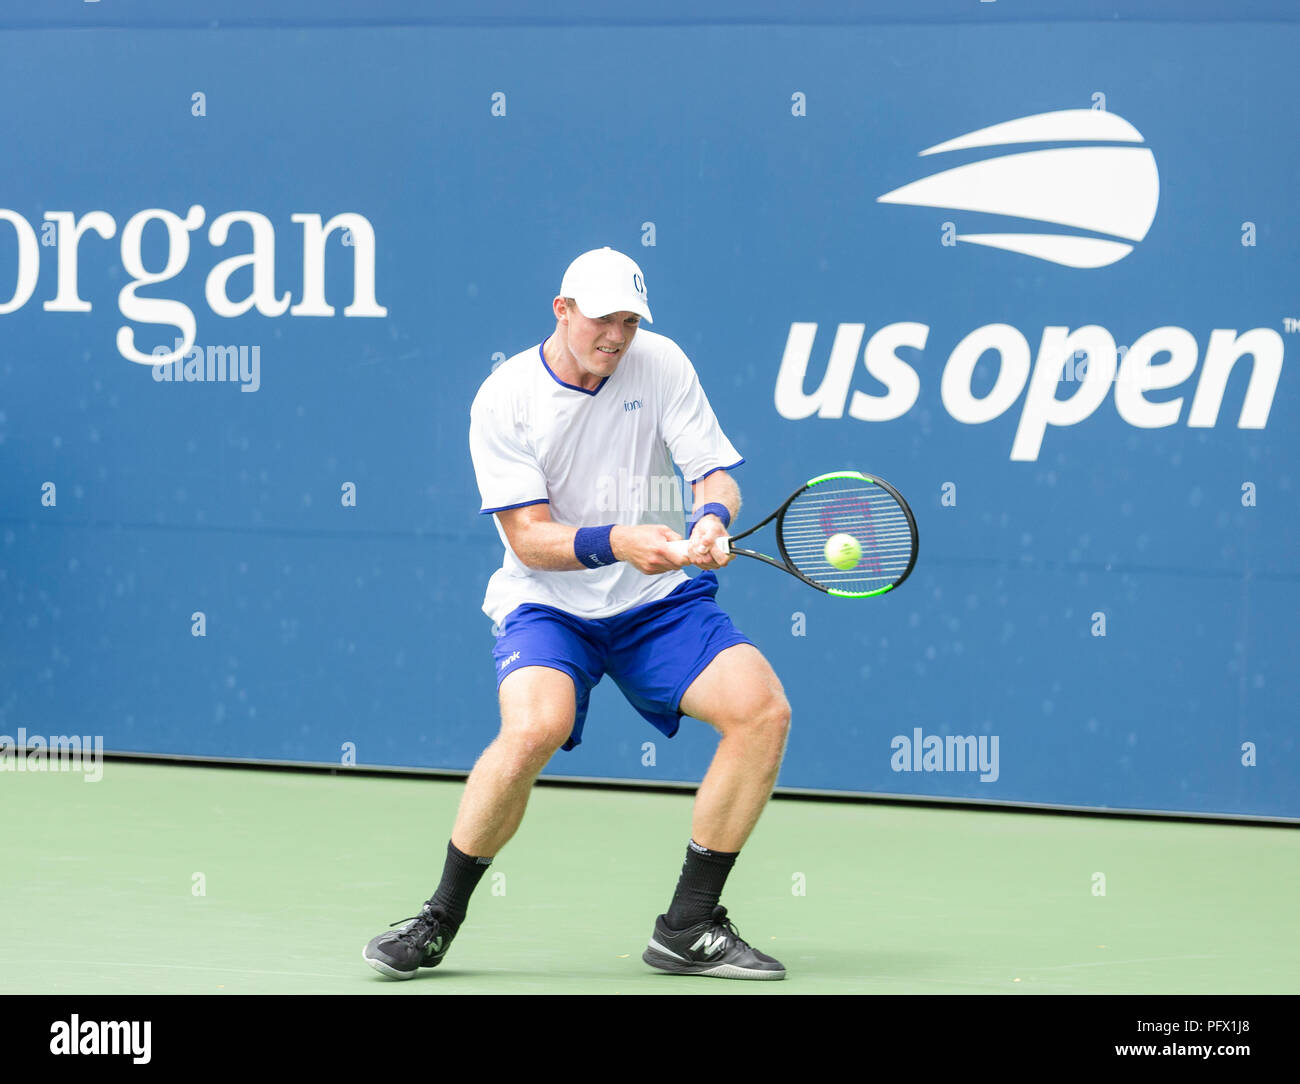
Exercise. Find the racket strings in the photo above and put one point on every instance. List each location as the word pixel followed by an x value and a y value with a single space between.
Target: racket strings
pixel 869 514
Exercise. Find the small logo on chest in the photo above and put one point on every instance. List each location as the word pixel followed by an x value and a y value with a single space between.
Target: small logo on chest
pixel 631 404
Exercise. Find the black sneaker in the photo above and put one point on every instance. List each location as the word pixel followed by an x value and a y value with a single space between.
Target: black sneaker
pixel 422 942
pixel 712 947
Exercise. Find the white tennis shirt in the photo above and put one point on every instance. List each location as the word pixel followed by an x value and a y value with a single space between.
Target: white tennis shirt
pixel 597 457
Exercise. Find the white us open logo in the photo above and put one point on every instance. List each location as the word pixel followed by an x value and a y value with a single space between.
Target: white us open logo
pixel 1091 186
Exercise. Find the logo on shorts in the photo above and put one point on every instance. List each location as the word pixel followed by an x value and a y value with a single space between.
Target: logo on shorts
pixel 508 660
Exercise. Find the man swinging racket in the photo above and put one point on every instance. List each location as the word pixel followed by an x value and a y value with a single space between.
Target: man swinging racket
pixel 578 597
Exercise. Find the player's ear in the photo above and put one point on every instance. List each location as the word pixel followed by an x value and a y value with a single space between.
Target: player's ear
pixel 561 308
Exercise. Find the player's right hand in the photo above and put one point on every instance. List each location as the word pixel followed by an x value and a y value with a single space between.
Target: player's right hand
pixel 645 548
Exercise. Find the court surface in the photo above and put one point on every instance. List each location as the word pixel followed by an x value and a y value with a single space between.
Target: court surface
pixel 298 871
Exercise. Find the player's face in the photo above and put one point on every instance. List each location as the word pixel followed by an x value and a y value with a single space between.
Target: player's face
pixel 598 345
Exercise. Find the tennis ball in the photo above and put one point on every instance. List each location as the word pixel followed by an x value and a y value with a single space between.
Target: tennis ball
pixel 843 551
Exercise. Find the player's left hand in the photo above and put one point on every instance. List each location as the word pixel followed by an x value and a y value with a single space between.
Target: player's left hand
pixel 705 550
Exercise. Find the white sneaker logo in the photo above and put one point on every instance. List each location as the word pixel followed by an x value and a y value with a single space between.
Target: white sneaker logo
pixel 711 945
pixel 1101 189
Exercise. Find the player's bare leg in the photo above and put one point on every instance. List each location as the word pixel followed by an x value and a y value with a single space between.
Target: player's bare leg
pixel 740 696
pixel 537 710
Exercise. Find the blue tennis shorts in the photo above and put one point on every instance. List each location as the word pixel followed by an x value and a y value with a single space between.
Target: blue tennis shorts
pixel 653 652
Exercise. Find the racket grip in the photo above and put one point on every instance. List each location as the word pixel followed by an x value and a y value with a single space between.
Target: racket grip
pixel 682 548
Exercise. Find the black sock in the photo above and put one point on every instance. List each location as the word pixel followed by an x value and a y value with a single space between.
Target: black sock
pixel 699 887
pixel 460 876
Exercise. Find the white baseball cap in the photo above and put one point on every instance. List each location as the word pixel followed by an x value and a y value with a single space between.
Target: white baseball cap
pixel 603 281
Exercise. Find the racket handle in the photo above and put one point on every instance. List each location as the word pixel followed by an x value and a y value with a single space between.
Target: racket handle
pixel 682 549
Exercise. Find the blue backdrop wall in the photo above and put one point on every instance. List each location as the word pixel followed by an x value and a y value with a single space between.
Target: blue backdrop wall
pixel 1075 356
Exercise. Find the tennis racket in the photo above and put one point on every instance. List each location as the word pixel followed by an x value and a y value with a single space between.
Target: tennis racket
pixel 844 502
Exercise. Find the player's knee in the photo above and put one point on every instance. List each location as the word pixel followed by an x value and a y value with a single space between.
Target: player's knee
pixel 775 720
pixel 781 714
pixel 765 722
pixel 532 742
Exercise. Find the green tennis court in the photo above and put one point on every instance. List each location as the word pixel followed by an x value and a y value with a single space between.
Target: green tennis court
pixel 298 871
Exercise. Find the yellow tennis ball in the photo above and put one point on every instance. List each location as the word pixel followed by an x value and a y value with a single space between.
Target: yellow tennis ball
pixel 843 551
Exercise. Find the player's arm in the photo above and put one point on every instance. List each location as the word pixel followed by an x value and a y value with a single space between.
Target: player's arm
pixel 716 488
pixel 541 543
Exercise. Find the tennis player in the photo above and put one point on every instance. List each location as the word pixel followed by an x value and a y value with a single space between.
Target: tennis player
pixel 571 442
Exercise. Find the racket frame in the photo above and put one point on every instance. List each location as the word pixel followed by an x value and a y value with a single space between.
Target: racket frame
pixel 787 565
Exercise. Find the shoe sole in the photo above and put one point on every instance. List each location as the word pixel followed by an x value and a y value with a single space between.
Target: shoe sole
pixel 388 971
pixel 661 960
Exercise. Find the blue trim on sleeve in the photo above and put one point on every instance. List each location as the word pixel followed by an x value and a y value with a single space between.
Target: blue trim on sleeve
pixel 571 387
pixel 715 470
pixel 507 507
